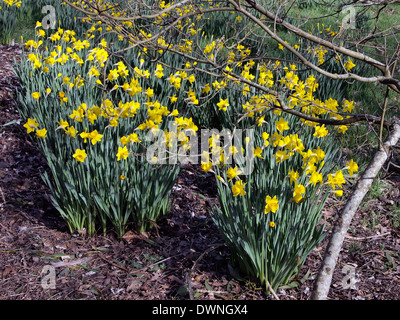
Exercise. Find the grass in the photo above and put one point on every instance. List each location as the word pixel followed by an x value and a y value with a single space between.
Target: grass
pixel 355 246
pixel 24 31
pixel 378 189
pixel 24 19
pixel 394 215
pixel 376 213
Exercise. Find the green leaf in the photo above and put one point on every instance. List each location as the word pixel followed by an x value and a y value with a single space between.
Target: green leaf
pixel 208 287
pixel 182 291
pixel 291 285
pixel 18 121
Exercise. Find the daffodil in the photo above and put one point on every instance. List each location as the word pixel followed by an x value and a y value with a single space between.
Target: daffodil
pixel 281 156
pixel 342 129
pixel 123 153
pixel 223 104
pixel 281 125
pixel 63 98
pixel 80 155
pixel 95 137
pixel 276 138
pixel 238 188
pixel 85 135
pixel 191 78
pixel 36 95
pixel 271 204
pixel 336 179
pixel 206 89
pixel 42 133
pixel 63 124
pixel 31 125
pixel 315 178
pixel 348 106
pixel 71 131
pixel 349 64
pixel 93 72
pixel 352 167
pixel 293 175
pixel 298 192
pixel 265 137
pixel 149 92
pixel 233 173
pixel 257 152
pixel 320 131
pixel 339 193
pixel 113 75
pixel 159 71
pixel 233 150
pixel 206 166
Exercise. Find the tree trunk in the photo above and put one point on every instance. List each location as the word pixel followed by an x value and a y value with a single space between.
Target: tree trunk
pixel 324 278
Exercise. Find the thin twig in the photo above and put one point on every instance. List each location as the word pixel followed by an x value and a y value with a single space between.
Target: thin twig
pixel 2 196
pixel 272 290
pixel 114 264
pixel 350 238
pixel 189 274
pixel 383 116
pixel 8 230
pixel 155 263
pixel 379 251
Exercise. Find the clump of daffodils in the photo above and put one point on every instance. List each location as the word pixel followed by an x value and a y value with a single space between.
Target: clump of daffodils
pixel 12 3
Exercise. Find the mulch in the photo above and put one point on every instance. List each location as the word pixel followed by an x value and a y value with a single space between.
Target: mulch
pixel 184 258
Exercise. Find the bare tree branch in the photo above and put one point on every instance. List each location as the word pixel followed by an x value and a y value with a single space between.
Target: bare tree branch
pixel 324 278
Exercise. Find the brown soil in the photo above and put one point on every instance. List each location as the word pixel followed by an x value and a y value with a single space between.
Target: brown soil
pixel 184 258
